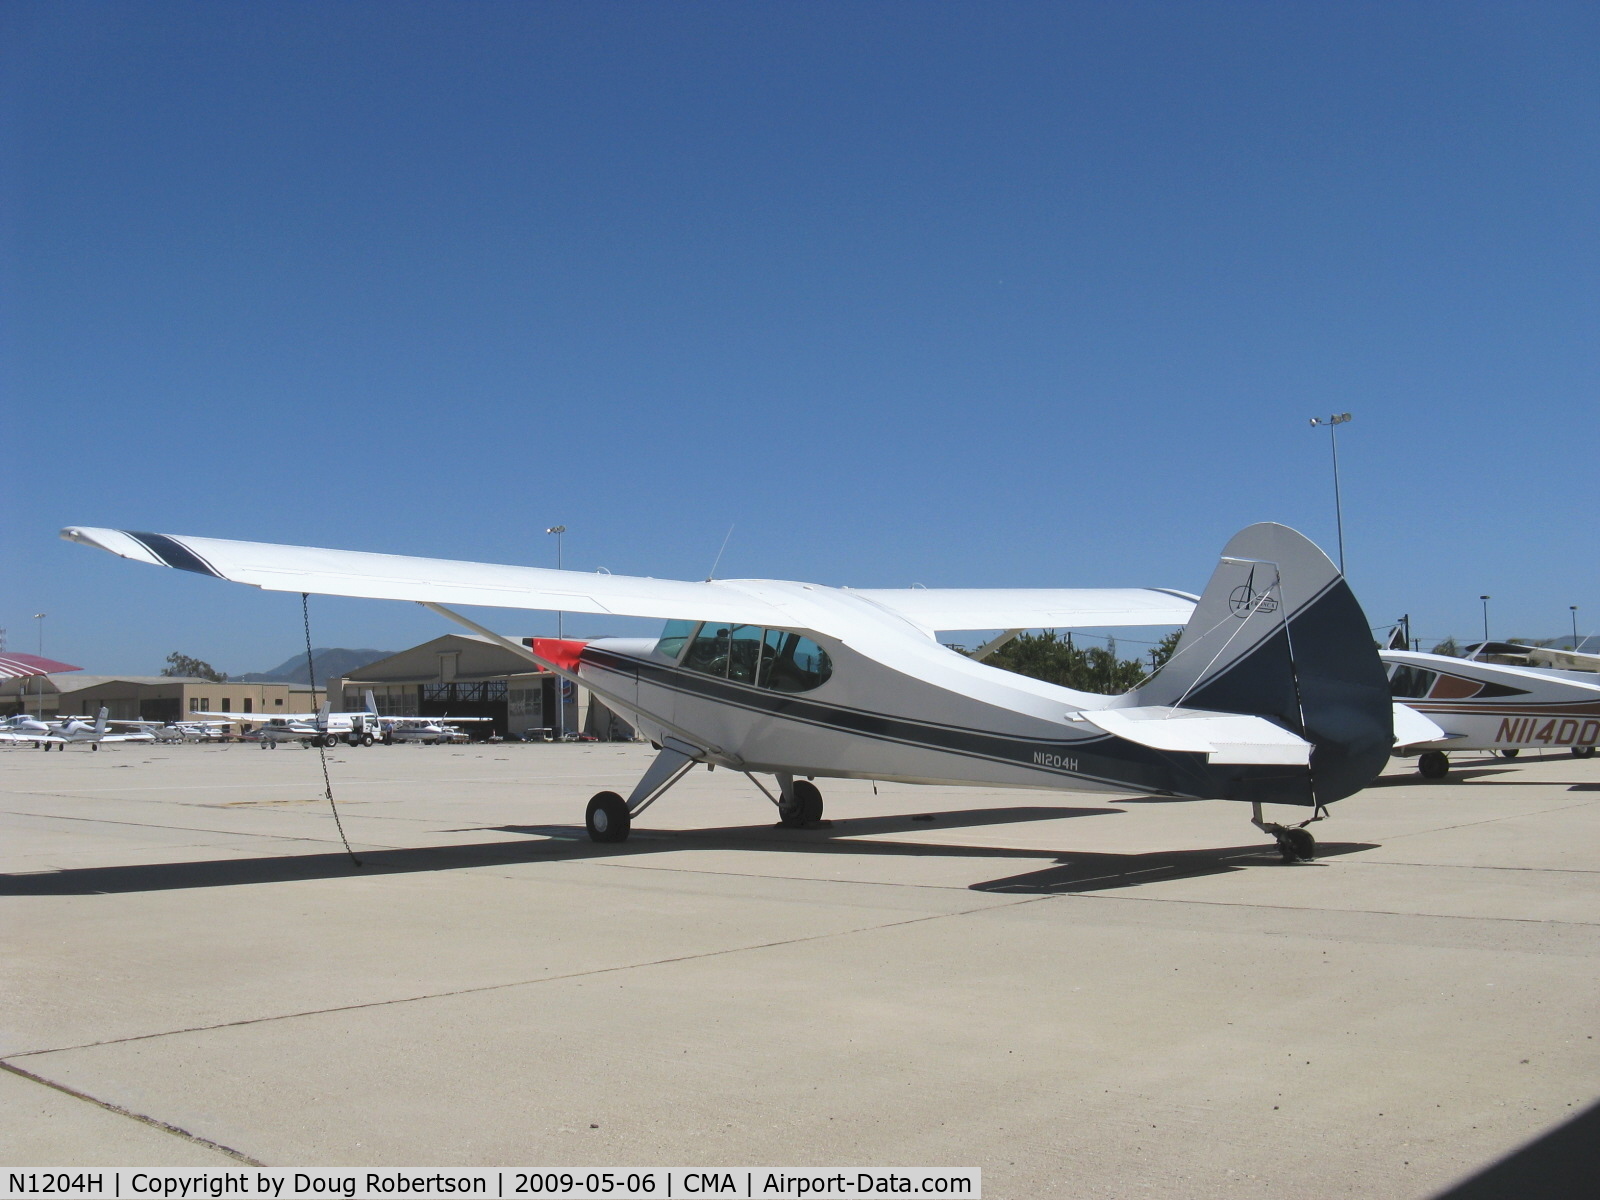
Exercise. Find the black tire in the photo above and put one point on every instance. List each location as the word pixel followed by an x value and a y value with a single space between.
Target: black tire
pixel 265 743
pixel 802 807
pixel 1512 752
pixel 367 739
pixel 1434 764
pixel 608 818
pixel 1583 752
pixel 1297 845
pixel 330 740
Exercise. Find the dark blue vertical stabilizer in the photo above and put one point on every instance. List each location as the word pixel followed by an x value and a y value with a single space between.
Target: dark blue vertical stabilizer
pixel 1278 634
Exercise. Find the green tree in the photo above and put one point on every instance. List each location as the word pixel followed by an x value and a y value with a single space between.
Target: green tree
pixel 1164 648
pixel 183 665
pixel 1448 646
pixel 1057 659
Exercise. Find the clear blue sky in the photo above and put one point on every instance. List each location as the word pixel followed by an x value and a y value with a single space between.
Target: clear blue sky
pixel 955 294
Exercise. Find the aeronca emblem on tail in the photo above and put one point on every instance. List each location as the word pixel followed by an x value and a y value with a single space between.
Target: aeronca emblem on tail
pixel 797 681
pixel 1245 600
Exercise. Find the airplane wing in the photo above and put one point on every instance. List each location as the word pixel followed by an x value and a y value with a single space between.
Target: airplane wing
pixel 944 609
pixel 447 581
pixel 442 581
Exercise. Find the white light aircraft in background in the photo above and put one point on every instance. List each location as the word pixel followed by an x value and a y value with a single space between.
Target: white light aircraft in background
pixel 428 731
pixel 1275 693
pixel 74 731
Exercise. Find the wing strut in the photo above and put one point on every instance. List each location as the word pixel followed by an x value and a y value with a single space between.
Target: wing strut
pixel 993 644
pixel 605 693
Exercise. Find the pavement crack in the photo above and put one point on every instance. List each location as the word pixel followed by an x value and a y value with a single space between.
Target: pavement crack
pixel 517 983
pixel 119 1110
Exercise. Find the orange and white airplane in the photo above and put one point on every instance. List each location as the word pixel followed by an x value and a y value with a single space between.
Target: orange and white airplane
pixel 1495 706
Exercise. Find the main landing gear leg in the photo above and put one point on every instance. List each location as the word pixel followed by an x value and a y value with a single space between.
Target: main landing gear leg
pixel 610 817
pixel 1295 842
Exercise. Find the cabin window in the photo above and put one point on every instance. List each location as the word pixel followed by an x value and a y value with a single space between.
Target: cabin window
pixel 1411 683
pixel 774 659
pixel 674 636
pixel 794 664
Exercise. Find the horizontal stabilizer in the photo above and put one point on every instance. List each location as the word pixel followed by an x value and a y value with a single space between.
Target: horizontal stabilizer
pixel 1412 728
pixel 1223 737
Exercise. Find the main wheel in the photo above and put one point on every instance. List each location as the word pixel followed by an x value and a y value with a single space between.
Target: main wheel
pixel 1512 752
pixel 1297 845
pixel 1434 764
pixel 802 807
pixel 1583 752
pixel 265 743
pixel 608 818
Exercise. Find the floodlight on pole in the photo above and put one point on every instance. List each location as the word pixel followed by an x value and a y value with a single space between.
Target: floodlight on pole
pixel 39 617
pixel 558 530
pixel 1333 423
pixel 561 706
pixel 1486 600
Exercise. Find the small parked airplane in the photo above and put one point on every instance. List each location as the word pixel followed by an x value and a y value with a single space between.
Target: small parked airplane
pixel 321 728
pixel 1496 706
pixel 1274 695
pixel 426 731
pixel 72 731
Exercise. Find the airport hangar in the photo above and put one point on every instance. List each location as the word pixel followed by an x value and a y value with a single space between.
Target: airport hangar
pixel 456 675
pixel 147 697
pixel 464 675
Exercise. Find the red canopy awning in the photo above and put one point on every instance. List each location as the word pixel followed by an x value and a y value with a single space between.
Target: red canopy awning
pixel 14 666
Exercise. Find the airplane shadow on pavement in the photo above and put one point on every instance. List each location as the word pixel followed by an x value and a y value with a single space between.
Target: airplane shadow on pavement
pixel 1067 870
pixel 1562 1162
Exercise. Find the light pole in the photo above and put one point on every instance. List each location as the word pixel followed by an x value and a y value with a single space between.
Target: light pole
pixel 1333 424
pixel 561 704
pixel 1486 600
pixel 1574 609
pixel 39 617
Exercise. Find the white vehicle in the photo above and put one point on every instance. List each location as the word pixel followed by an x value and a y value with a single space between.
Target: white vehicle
pixel 73 731
pixel 1492 706
pixel 1274 695
pixel 321 728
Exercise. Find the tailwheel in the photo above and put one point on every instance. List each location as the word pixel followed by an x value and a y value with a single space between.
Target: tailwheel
pixel 608 818
pixel 1434 764
pixel 1295 844
pixel 802 806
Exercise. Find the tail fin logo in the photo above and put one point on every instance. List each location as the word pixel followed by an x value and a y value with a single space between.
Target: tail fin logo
pixel 1244 599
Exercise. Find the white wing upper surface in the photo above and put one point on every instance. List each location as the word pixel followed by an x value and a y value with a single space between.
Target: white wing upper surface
pixel 943 609
pixel 448 581
pixel 439 580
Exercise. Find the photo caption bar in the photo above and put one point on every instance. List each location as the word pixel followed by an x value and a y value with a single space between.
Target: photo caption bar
pixel 501 1183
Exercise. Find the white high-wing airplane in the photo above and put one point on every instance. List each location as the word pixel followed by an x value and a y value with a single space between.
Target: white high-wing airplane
pixel 1274 695
pixel 425 730
pixel 74 730
pixel 1491 706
